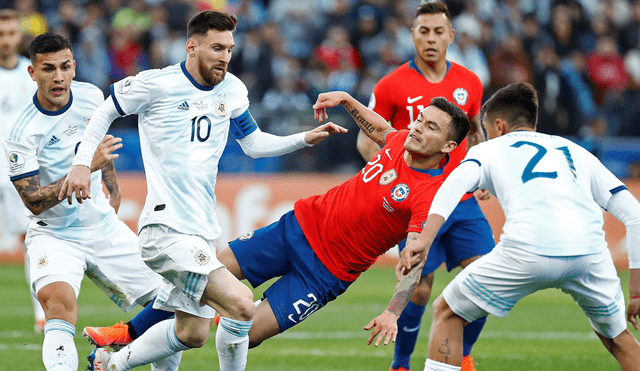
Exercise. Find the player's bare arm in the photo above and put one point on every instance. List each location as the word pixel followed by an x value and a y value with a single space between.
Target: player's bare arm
pixel 385 325
pixel 371 123
pixel 415 253
pixel 78 180
pixel 633 308
pixel 322 132
pixel 366 147
pixel 110 181
pixel 476 133
pixel 38 199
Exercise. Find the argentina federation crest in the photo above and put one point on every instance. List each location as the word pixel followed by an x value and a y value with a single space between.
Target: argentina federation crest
pixel 221 108
pixel 461 96
pixel 400 192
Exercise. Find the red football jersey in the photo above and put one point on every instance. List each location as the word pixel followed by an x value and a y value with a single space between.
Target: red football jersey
pixel 352 224
pixel 402 94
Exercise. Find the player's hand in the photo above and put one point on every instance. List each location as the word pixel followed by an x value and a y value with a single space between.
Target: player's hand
pixel 78 181
pixel 400 271
pixel 410 257
pixel 322 132
pixel 633 310
pixel 385 325
pixel 327 100
pixel 482 195
pixel 104 152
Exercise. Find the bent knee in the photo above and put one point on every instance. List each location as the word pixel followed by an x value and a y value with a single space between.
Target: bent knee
pixel 193 339
pixel 441 309
pixel 422 294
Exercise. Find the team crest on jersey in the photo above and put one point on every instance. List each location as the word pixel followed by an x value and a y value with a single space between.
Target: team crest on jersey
pixel 202 257
pixel 43 261
pixel 246 236
pixel 221 108
pixel 461 96
pixel 400 192
pixel 16 162
pixel 125 85
pixel 388 177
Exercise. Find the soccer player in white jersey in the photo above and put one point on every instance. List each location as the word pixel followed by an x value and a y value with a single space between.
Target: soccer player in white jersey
pixel 65 242
pixel 15 86
pixel 185 114
pixel 553 192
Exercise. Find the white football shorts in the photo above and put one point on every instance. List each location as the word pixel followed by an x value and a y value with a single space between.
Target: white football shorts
pixel 494 283
pixel 112 262
pixel 184 261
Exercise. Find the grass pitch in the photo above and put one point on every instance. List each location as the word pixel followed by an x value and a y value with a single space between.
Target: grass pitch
pixel 545 331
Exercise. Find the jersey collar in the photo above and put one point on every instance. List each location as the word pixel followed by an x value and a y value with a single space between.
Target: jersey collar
pixel 435 172
pixel 52 113
pixel 192 80
pixel 412 65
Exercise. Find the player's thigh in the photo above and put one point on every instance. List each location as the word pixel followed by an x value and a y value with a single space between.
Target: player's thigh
pixel 308 287
pixel 50 259
pixel 115 265
pixel 497 281
pixel 595 286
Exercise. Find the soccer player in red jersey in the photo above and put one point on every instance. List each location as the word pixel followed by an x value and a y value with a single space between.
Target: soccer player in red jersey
pixel 399 97
pixel 325 243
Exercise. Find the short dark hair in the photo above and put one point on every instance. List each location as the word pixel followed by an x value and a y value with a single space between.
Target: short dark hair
pixel 48 43
pixel 516 103
pixel 207 20
pixel 459 124
pixel 433 7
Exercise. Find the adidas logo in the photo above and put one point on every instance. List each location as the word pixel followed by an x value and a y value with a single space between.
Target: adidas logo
pixel 184 106
pixel 53 141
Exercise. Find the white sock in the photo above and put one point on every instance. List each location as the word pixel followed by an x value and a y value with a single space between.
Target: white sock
pixel 431 365
pixel 232 342
pixel 158 342
pixel 59 352
pixel 170 363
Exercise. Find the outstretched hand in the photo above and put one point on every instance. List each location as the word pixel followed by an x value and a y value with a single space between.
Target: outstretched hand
pixel 327 100
pixel 633 310
pixel 322 132
pixel 385 325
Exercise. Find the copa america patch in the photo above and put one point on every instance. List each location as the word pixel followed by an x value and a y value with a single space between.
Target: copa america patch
pixel 202 257
pixel 16 162
pixel 246 236
pixel 125 85
pixel 400 192
pixel 461 96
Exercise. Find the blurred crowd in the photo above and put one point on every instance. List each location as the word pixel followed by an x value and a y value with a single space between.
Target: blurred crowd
pixel 583 56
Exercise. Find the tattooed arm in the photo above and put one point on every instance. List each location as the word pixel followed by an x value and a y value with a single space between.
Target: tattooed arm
pixel 111 182
pixel 371 123
pixel 386 324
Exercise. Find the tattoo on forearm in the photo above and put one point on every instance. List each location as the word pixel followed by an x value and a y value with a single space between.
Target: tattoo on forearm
pixel 360 120
pixel 110 180
pixel 404 291
pixel 36 198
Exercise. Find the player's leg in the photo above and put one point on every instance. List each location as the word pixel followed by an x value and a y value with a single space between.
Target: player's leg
pixel 56 271
pixel 595 286
pixel 445 337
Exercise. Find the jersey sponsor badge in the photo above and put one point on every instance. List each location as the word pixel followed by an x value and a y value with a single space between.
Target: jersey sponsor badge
pixel 388 177
pixel 125 85
pixel 202 257
pixel 16 162
pixel 246 236
pixel 461 96
pixel 400 192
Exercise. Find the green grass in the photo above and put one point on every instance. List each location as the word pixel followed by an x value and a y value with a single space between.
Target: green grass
pixel 545 331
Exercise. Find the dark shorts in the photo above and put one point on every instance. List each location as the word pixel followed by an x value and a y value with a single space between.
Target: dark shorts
pixel 464 235
pixel 281 250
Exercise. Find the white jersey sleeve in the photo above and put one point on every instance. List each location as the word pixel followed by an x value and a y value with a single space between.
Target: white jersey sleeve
pixel 465 178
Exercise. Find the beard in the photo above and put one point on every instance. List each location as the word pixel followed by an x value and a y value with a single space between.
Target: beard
pixel 207 74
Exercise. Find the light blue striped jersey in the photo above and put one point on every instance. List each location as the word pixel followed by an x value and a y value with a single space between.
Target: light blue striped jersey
pixel 183 131
pixel 44 142
pixel 552 192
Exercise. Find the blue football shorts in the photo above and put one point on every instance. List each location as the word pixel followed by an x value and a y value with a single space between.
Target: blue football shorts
pixel 465 234
pixel 282 250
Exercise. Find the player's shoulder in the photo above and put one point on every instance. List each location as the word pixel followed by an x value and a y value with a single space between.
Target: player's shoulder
pixel 84 91
pixel 22 118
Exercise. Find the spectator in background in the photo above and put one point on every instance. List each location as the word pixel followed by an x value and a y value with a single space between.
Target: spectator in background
pixel 630 34
pixel 126 54
pixel 562 30
pixel 579 93
pixel 464 49
pixel 508 63
pixel 32 22
pixel 251 62
pixel 301 23
pixel 92 62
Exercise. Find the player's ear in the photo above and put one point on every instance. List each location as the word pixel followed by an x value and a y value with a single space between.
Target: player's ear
pixel 191 47
pixel 31 71
pixel 449 146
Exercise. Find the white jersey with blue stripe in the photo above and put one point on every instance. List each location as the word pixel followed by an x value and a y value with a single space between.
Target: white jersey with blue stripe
pixel 41 142
pixel 183 129
pixel 16 88
pixel 552 192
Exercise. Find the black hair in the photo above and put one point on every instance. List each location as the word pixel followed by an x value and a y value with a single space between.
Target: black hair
pixel 207 20
pixel 433 7
pixel 516 103
pixel 459 125
pixel 48 43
